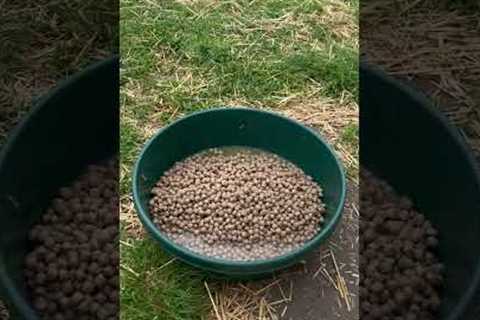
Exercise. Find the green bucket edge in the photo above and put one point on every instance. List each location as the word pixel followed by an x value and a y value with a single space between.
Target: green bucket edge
pixel 412 90
pixel 8 289
pixel 272 264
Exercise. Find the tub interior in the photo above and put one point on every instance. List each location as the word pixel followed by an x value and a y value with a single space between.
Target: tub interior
pixel 408 145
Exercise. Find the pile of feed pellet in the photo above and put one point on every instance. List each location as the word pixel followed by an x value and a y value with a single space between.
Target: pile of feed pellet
pixel 401 275
pixel 237 203
pixel 72 271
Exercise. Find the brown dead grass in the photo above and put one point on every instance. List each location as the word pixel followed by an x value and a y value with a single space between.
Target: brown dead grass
pixel 330 118
pixel 337 16
pixel 248 301
pixel 129 218
pixel 42 42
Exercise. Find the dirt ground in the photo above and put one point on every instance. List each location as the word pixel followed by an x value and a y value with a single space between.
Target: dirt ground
pixel 324 286
pixel 317 289
pixel 314 283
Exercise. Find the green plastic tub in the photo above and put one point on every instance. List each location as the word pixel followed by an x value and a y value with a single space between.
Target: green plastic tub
pixel 75 125
pixel 407 142
pixel 239 127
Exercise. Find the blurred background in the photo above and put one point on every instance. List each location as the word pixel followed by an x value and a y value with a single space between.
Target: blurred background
pixel 44 42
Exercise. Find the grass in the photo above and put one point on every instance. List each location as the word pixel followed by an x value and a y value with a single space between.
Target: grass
pixel 244 53
pixel 156 287
pixel 350 135
pixel 179 58
pixel 292 56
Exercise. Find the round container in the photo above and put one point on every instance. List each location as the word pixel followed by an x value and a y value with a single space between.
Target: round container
pixel 405 140
pixel 239 127
pixel 72 127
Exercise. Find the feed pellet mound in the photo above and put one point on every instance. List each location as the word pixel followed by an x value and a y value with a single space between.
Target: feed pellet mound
pixel 401 277
pixel 72 271
pixel 237 203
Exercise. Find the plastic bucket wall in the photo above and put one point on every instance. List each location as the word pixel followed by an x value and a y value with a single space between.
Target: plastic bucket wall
pixel 239 127
pixel 72 127
pixel 404 140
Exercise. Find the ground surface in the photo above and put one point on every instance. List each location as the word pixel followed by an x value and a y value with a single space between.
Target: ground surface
pixel 314 292
pixel 298 58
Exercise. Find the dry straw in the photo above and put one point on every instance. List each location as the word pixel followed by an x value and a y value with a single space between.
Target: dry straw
pixel 436 47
